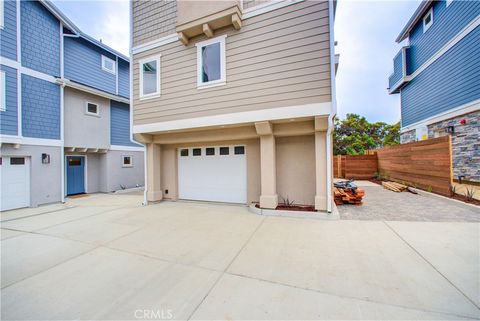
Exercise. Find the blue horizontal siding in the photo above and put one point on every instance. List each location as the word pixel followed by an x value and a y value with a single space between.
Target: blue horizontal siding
pixel 40 108
pixel 447 22
pixel 40 38
pixel 397 69
pixel 8 35
pixel 123 78
pixel 451 81
pixel 83 64
pixel 120 124
pixel 9 117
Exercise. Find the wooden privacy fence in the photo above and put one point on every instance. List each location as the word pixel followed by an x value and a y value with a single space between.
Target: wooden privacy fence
pixel 355 166
pixel 425 164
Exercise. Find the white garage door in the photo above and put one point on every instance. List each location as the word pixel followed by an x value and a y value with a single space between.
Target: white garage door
pixel 216 174
pixel 15 185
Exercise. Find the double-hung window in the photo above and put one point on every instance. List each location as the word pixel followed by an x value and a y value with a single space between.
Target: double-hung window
pixel 211 62
pixel 3 93
pixel 150 77
pixel 108 65
pixel 428 20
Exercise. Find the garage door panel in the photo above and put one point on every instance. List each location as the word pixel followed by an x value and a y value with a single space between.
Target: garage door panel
pixel 15 183
pixel 219 178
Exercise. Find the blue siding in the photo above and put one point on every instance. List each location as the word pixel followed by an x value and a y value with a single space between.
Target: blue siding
pixel 83 64
pixel 451 81
pixel 123 78
pixel 8 35
pixel 120 124
pixel 447 22
pixel 40 108
pixel 40 38
pixel 397 69
pixel 9 117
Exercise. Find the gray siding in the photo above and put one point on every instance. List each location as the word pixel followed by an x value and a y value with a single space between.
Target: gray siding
pixel 153 19
pixel 277 59
pixel 82 130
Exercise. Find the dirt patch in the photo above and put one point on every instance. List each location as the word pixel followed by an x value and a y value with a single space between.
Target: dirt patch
pixel 293 207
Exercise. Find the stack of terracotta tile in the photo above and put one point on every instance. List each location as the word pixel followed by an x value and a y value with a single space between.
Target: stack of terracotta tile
pixel 348 196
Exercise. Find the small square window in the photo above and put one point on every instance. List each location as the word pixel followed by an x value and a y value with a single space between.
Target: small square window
pixel 224 150
pixel 184 152
pixel 197 152
pixel 127 161
pixel 239 150
pixel 92 109
pixel 17 161
pixel 74 162
pixel 108 65
pixel 209 151
pixel 428 20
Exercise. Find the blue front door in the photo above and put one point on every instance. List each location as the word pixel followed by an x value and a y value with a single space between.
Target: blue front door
pixel 75 175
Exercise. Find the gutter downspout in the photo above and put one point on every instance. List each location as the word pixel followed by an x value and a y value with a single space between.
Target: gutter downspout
pixel 130 76
pixel 334 106
pixel 62 117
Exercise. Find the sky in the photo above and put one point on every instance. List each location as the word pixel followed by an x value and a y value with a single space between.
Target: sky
pixel 365 32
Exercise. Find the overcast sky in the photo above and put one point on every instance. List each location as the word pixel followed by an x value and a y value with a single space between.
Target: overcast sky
pixel 365 31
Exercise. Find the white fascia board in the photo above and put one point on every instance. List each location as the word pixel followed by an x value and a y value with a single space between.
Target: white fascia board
pixel 238 118
pixel 127 148
pixel 9 139
pixel 72 84
pixel 155 43
pixel 468 108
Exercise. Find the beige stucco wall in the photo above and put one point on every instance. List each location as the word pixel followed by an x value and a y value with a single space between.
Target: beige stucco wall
pixel 295 158
pixel 188 11
pixel 280 58
pixel 81 129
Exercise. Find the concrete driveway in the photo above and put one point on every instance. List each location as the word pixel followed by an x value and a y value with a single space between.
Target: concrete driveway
pixel 106 257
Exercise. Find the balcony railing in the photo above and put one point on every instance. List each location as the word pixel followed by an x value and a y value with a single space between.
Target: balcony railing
pixel 400 75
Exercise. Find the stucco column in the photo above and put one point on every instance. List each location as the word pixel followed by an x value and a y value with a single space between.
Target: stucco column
pixel 269 197
pixel 154 190
pixel 321 170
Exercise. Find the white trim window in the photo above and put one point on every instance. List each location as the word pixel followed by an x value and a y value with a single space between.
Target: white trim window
pixel 92 109
pixel 211 65
pixel 3 94
pixel 108 65
pixel 149 77
pixel 428 20
pixel 127 161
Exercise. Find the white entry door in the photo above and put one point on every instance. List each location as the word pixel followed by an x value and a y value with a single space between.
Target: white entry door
pixel 15 182
pixel 216 174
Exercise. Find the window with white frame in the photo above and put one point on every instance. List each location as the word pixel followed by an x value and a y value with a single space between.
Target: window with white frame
pixel 91 109
pixel 428 20
pixel 108 65
pixel 150 77
pixel 127 161
pixel 2 14
pixel 3 94
pixel 211 62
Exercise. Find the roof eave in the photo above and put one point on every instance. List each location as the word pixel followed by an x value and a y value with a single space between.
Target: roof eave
pixel 417 15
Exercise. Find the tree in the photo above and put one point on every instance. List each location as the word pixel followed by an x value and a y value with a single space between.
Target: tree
pixel 354 135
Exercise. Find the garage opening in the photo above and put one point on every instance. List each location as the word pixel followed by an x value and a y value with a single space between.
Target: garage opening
pixel 213 173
